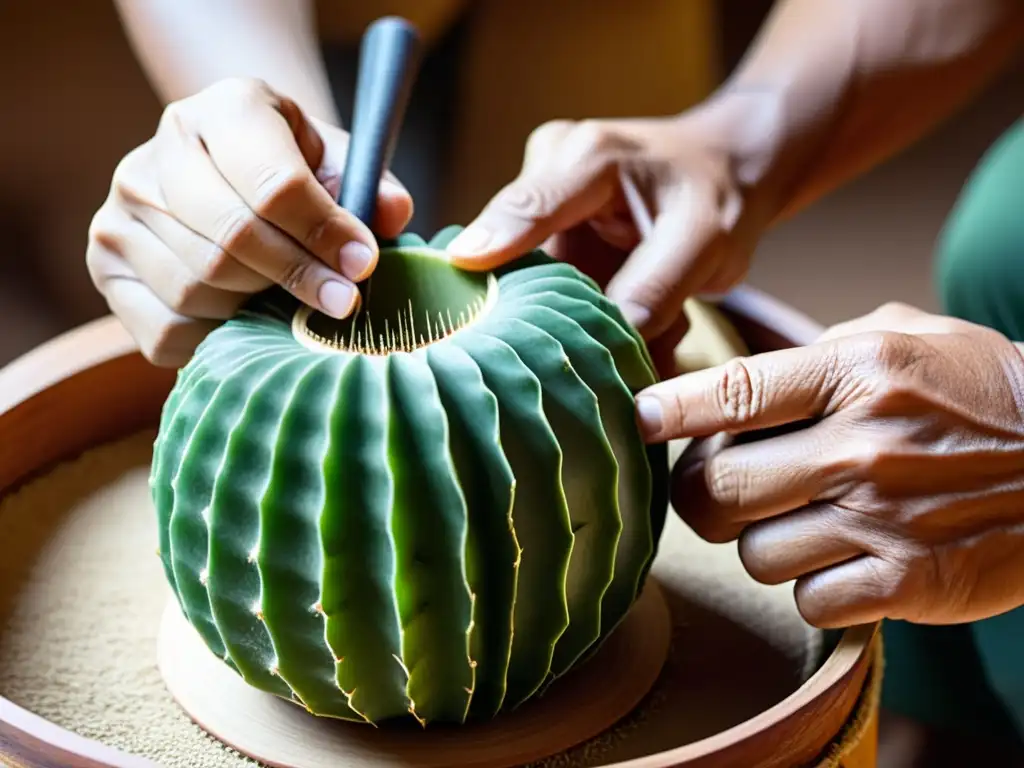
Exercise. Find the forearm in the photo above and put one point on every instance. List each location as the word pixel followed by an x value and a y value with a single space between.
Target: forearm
pixel 186 45
pixel 833 87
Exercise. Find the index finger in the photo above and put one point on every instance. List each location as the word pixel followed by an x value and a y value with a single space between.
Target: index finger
pixel 746 393
pixel 268 151
pixel 568 176
pixel 527 212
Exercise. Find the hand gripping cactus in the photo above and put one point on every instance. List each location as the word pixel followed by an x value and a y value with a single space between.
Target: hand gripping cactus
pixel 432 509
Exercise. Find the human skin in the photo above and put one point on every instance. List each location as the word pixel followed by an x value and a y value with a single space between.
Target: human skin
pixel 829 89
pixel 203 215
pixel 185 46
pixel 901 497
pixel 236 189
pixel 895 488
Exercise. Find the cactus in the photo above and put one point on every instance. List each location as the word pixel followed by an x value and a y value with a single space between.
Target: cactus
pixel 432 509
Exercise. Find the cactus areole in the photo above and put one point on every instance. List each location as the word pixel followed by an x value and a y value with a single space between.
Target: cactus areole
pixel 432 509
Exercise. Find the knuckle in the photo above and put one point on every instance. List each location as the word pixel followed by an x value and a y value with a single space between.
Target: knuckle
pixel 243 89
pixel 95 259
pixel 592 136
pixel 738 394
pixel 181 294
pixel 296 275
pixel 895 311
pixel 278 187
pixel 525 198
pixel 123 180
pixel 865 456
pixel 892 582
pixel 864 464
pixel 723 482
pixel 600 141
pixel 718 532
pixel 709 527
pixel 547 133
pixel 104 250
pixel 217 267
pixel 100 231
pixel 172 115
pixel 321 237
pixel 829 602
pixel 235 229
pixel 889 367
pixel 889 351
pixel 552 129
pixel 226 94
pixel 123 169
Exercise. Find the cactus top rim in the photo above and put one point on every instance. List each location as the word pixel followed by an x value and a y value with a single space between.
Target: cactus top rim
pixel 415 298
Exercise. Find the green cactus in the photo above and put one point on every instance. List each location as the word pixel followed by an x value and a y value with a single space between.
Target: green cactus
pixel 432 509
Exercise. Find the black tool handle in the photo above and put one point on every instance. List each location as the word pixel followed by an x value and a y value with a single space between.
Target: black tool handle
pixel 388 63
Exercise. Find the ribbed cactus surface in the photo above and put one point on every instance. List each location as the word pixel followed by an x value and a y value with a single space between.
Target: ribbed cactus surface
pixel 433 509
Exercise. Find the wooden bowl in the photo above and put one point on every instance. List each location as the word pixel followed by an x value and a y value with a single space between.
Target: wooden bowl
pixel 761 687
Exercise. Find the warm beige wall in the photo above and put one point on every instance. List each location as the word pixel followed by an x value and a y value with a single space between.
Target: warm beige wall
pixel 73 103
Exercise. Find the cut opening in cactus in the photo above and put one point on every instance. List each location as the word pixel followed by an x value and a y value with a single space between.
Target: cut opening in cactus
pixel 415 298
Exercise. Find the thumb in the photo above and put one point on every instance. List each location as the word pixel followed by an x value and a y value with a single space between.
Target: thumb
pixel 547 198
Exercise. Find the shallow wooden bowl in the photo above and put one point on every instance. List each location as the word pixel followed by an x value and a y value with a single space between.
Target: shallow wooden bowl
pixel 750 684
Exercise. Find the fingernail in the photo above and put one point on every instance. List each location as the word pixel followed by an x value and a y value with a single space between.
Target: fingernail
pixel 470 241
pixel 355 259
pixel 636 315
pixel 649 415
pixel 389 188
pixel 336 299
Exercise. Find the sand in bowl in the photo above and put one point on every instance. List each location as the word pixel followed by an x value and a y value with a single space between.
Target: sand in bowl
pixel 82 592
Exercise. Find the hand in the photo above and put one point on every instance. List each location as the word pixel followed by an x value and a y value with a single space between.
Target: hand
pixel 902 498
pixel 569 199
pixel 234 193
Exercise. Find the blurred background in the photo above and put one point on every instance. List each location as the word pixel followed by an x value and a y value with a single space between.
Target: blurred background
pixel 75 100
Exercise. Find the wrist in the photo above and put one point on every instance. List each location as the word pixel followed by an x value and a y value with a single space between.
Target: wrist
pixel 766 141
pixel 776 111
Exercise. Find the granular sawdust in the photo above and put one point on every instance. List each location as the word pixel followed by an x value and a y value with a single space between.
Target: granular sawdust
pixel 81 594
pixel 82 591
